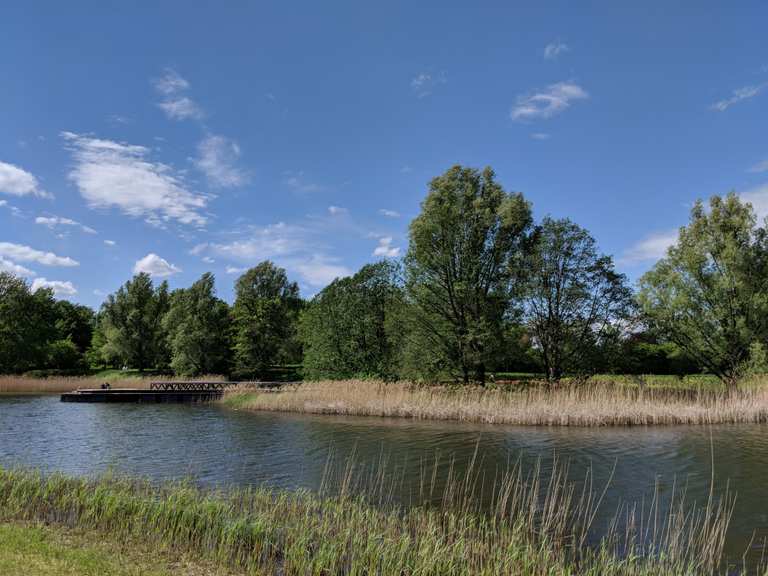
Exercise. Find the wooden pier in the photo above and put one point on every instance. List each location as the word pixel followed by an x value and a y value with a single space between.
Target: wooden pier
pixel 161 392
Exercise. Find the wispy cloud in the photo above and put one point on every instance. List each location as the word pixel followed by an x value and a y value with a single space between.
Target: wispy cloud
pixel 549 102
pixel 425 83
pixel 54 222
pixel 13 268
pixel 298 183
pixel 59 287
pixel 651 248
pixel 554 49
pixel 540 136
pixel 18 182
pixel 21 253
pixel 389 213
pixel 155 266
pixel 175 103
pixel 297 248
pixel 760 167
pixel 110 173
pixel 110 242
pixel 386 249
pixel 738 95
pixel 337 211
pixel 217 158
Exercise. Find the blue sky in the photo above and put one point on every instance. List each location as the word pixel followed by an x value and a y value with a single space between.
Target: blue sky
pixel 184 137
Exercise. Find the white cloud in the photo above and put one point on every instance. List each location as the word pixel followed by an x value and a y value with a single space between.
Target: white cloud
pixel 389 213
pixel 320 270
pixel 110 242
pixel 109 173
pixel 337 211
pixel 547 103
pixel 13 268
pixel 59 287
pixel 208 260
pixel 554 49
pixel 171 82
pixel 296 248
pixel 386 249
pixel 54 221
pixel 18 182
pixel 758 197
pixel 181 108
pixel 156 266
pixel 540 136
pixel 3 202
pixel 760 167
pixel 175 104
pixel 737 96
pixel 217 158
pixel 21 253
pixel 652 247
pixel 424 84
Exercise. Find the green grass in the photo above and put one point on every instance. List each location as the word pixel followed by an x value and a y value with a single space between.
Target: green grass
pixel 40 550
pixel 532 529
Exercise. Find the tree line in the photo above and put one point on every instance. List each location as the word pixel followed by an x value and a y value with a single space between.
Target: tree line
pixel 483 289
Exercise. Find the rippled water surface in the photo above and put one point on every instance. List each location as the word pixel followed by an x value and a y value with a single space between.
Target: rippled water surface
pixel 216 446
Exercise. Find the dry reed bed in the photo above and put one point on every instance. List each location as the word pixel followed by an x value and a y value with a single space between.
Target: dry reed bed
pixel 594 404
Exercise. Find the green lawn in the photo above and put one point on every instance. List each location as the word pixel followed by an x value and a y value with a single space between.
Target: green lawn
pixel 38 550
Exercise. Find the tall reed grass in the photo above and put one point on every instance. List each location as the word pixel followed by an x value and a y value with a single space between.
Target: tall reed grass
pixel 598 403
pixel 533 526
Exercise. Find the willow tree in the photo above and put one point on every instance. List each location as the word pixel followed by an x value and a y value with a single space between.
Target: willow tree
pixel 709 295
pixel 575 301
pixel 466 249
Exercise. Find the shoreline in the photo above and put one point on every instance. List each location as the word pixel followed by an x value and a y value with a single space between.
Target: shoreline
pixel 598 404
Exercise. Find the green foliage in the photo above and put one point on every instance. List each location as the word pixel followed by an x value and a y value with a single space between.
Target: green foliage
pixel 197 329
pixel 463 268
pixel 27 325
pixel 131 323
pixel 76 323
pixel 265 318
pixel 575 302
pixel 347 329
pixel 710 294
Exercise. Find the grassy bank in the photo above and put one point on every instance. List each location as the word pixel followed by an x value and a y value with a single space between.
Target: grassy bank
pixel 531 529
pixel 43 550
pixel 597 403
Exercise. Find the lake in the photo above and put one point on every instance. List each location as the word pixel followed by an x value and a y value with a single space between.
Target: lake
pixel 219 447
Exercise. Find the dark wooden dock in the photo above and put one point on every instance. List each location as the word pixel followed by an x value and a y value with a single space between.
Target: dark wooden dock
pixel 160 392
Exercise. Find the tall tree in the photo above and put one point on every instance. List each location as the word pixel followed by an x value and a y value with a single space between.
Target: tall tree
pixel 197 328
pixel 132 320
pixel 27 325
pixel 76 323
pixel 264 318
pixel 575 301
pixel 463 263
pixel 345 329
pixel 709 295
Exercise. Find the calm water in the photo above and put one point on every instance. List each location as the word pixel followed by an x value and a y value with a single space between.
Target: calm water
pixel 220 447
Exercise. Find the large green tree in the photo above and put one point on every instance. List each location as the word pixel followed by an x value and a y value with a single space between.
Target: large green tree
pixel 709 295
pixel 131 320
pixel 466 250
pixel 346 329
pixel 575 302
pixel 27 325
pixel 265 318
pixel 197 328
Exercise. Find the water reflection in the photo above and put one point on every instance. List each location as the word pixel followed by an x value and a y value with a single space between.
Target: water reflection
pixel 219 447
